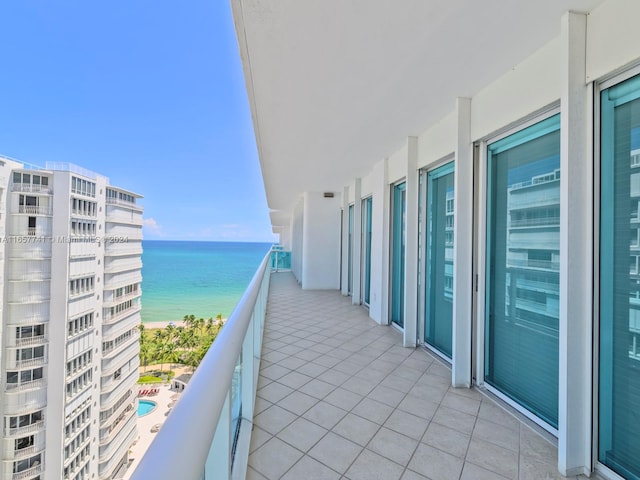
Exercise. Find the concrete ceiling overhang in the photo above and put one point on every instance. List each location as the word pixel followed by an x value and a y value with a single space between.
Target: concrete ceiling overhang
pixel 337 85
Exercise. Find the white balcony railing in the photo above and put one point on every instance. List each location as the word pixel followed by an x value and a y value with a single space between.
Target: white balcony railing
pixel 124 203
pixel 34 210
pixel 35 340
pixel 21 387
pixel 108 318
pixel 29 472
pixel 26 429
pixel 202 417
pixel 31 188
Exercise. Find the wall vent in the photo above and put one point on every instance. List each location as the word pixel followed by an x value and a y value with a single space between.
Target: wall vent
pixel 328 194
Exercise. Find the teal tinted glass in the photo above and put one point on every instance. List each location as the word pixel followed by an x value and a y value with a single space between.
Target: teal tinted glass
pixel 523 248
pixel 366 250
pixel 439 271
pixel 350 252
pixel 619 369
pixel 398 253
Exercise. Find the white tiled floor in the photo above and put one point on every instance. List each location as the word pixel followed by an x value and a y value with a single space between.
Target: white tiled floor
pixel 340 398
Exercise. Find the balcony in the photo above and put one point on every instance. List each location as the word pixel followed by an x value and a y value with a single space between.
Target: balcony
pixel 35 210
pixel 339 397
pixel 124 203
pixel 31 188
pixel 29 341
pixel 25 430
pixel 37 469
pixel 22 387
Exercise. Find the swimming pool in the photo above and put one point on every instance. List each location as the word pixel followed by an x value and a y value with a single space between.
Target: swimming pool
pixel 145 406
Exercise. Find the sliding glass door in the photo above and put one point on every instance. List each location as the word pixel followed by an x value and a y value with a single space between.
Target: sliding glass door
pixel 619 354
pixel 350 253
pixel 398 241
pixel 439 259
pixel 522 284
pixel 366 250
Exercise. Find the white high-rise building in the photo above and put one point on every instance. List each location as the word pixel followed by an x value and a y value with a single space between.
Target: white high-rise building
pixel 71 273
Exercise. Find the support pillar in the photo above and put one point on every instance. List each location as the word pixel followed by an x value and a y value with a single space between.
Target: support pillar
pixel 462 248
pixel 411 245
pixel 576 254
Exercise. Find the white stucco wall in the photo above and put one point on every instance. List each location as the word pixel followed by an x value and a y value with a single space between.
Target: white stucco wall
pixel 612 37
pixel 321 242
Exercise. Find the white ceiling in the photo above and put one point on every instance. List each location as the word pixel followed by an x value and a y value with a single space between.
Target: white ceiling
pixel 337 85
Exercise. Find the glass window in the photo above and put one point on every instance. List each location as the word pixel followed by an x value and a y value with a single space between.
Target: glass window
pixel 350 253
pixel 619 369
pixel 439 258
pixel 366 249
pixel 522 295
pixel 398 248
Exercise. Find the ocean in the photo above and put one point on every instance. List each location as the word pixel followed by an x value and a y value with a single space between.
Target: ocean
pixel 201 278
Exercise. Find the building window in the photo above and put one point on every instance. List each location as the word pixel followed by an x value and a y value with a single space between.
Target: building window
pixel 438 307
pixel 367 205
pixel 522 298
pixel 619 367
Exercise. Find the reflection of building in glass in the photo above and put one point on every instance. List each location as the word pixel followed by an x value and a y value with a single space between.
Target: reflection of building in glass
pixel 533 256
pixel 448 246
pixel 634 253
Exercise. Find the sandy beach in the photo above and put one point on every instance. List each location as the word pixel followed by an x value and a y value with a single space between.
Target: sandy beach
pixel 150 325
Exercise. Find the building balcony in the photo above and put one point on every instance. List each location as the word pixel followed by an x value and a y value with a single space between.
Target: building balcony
pixel 21 247
pixel 23 387
pixel 549 265
pixel 122 249
pixel 109 397
pixel 35 210
pixel 338 396
pixel 111 352
pixel 31 188
pixel 128 420
pixel 122 265
pixel 110 459
pixel 32 472
pixel 129 356
pixel 109 300
pixel 110 319
pixel 32 341
pixel 27 452
pixel 124 203
pixel 117 280
pixel 18 402
pixel 535 222
pixel 346 399
pixel 27 429
pixel 31 363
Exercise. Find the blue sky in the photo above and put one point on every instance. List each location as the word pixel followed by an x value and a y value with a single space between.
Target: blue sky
pixel 148 93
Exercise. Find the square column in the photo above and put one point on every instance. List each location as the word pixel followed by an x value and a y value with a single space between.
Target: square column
pixel 462 248
pixel 576 254
pixel 344 249
pixel 411 245
pixel 356 288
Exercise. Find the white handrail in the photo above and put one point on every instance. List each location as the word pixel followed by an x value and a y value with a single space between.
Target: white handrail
pixel 203 399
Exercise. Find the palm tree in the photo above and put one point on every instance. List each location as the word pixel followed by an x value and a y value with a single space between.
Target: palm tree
pixel 187 339
pixel 160 341
pixel 145 350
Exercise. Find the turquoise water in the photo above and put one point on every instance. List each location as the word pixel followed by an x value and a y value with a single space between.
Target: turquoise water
pixel 145 406
pixel 200 278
